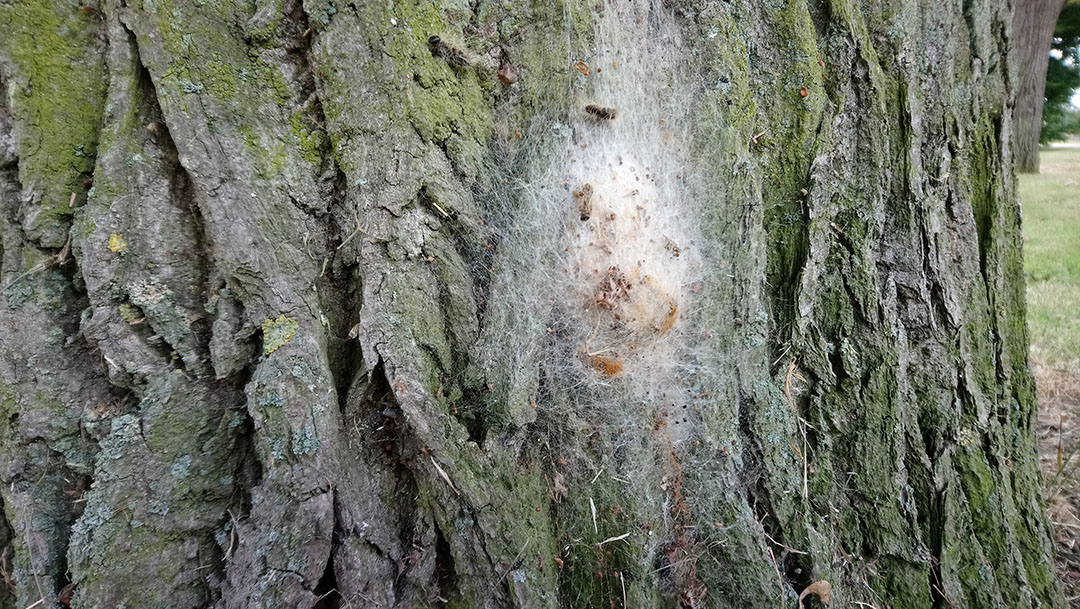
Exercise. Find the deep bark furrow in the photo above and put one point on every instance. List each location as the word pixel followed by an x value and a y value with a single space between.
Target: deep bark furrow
pixel 148 300
pixel 54 386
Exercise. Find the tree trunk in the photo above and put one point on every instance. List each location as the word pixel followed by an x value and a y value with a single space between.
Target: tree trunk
pixel 595 304
pixel 1033 31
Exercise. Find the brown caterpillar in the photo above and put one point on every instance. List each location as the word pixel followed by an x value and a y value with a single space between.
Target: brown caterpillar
pixel 584 199
pixel 600 112
pixel 453 55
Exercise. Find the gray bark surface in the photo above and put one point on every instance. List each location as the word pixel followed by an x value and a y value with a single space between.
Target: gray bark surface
pixel 1033 31
pixel 297 308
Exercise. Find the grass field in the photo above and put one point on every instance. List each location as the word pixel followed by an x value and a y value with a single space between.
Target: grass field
pixel 1051 212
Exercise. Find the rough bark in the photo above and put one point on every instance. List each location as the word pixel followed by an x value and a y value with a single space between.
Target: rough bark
pixel 301 307
pixel 1033 31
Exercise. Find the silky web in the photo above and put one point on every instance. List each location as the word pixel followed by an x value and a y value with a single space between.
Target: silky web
pixel 604 296
pixel 600 233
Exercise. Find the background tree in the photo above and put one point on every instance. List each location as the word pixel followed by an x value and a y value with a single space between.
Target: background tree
pixel 1060 118
pixel 1033 31
pixel 583 304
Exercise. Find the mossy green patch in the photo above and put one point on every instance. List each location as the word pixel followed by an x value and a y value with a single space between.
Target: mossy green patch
pixel 56 97
pixel 221 80
pixel 312 141
pixel 130 313
pixel 442 99
pixel 84 227
pixel 251 139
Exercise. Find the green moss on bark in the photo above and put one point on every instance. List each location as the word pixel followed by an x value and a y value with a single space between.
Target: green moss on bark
pixel 56 96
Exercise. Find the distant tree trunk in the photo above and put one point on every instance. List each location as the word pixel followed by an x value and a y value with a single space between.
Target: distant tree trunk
pixel 592 304
pixel 1033 31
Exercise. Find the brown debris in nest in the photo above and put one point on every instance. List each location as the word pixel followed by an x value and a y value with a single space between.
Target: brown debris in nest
pixel 672 247
pixel 613 288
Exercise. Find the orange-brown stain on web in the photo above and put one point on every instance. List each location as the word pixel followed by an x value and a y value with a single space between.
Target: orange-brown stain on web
pixel 678 551
pixel 669 320
pixel 608 365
